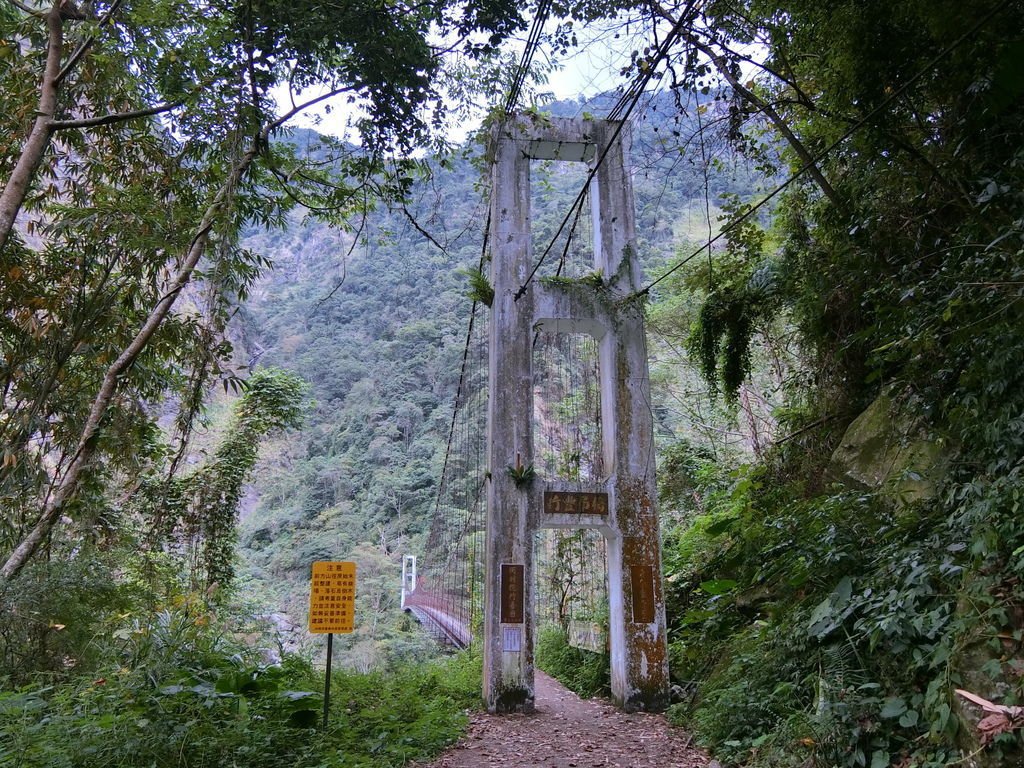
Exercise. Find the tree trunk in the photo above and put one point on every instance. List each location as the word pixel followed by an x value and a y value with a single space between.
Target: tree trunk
pixel 16 189
pixel 88 440
pixel 722 65
pixel 87 443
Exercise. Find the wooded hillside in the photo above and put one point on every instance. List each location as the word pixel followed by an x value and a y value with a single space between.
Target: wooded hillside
pixel 375 320
pixel 829 195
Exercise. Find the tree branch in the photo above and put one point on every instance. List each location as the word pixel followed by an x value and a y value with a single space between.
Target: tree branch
pixel 115 117
pixel 801 96
pixel 87 43
pixel 88 441
pixel 722 65
pixel 30 11
pixel 344 266
pixel 16 189
pixel 806 428
pixel 284 183
pixel 422 231
pixel 297 108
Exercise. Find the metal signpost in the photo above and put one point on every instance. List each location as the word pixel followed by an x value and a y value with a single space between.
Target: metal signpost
pixel 332 599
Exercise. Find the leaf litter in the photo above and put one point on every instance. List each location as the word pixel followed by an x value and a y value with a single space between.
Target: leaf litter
pixel 568 732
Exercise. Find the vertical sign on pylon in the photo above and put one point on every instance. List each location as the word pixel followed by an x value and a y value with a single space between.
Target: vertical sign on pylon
pixel 621 505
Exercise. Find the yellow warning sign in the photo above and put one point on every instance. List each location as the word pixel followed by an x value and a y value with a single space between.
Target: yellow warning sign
pixel 332 598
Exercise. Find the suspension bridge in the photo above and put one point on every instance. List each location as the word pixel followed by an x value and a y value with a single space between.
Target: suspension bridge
pixel 545 512
pixel 546 506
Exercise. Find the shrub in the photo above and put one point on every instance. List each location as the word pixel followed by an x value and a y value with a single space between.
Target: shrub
pixel 179 691
pixel 584 672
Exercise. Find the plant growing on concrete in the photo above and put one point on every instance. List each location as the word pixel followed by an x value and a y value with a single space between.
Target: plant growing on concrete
pixel 521 475
pixel 480 288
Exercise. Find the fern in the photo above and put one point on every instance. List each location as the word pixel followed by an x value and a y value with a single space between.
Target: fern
pixel 521 476
pixel 480 288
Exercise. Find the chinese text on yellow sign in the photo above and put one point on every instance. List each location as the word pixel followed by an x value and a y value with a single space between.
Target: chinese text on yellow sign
pixel 332 597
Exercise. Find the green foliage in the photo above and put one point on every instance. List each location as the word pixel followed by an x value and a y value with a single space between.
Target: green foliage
pixel 686 474
pixel 584 672
pixel 55 610
pixel 480 288
pixel 809 622
pixel 401 716
pixel 594 279
pixel 735 305
pixel 521 475
pixel 199 510
pixel 729 317
pixel 178 690
pixel 823 626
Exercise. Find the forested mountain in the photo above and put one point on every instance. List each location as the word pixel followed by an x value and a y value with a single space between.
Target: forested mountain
pixel 840 460
pixel 375 321
pixel 372 320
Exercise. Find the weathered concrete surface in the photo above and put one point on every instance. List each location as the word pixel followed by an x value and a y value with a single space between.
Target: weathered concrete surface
pixel 508 674
pixel 636 598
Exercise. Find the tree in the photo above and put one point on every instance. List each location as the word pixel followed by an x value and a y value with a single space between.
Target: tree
pixel 903 285
pixel 197 512
pixel 146 202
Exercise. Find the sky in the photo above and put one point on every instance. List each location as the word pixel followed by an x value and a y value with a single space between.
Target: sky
pixel 594 67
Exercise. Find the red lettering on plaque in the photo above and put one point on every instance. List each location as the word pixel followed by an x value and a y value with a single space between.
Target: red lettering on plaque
pixel 512 597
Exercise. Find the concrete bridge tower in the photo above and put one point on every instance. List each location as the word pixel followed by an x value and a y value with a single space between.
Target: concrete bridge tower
pixel 622 503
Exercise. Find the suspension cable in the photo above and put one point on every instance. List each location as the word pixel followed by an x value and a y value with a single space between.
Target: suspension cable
pixel 816 159
pixel 532 42
pixel 624 108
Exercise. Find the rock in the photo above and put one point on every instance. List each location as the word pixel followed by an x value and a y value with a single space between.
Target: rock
pixel 887 449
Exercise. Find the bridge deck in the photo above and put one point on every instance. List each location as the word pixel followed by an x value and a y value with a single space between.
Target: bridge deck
pixel 438 618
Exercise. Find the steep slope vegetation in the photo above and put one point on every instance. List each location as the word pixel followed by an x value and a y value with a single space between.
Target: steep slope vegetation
pixel 375 321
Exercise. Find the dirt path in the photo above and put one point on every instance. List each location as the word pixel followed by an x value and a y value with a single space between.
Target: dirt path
pixel 568 732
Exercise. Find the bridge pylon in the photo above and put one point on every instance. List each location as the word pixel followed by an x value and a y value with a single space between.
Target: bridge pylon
pixel 408 577
pixel 621 504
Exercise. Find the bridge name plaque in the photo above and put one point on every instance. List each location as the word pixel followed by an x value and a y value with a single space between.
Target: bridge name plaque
pixel 575 503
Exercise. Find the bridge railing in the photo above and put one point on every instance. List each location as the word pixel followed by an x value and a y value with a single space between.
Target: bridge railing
pixel 440 616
